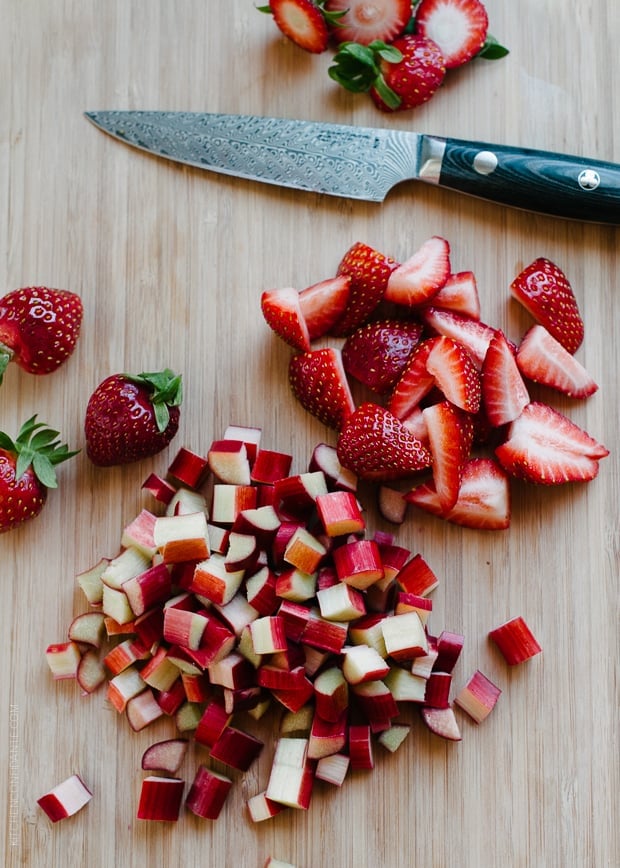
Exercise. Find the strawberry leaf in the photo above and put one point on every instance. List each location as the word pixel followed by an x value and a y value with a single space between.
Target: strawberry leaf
pixel 492 49
pixel 44 470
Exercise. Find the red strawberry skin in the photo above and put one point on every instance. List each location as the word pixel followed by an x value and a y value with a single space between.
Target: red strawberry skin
pixel 20 499
pixel 415 78
pixel 368 20
pixel 283 314
pixel 543 289
pixel 376 354
pixel 39 327
pixel 120 425
pixel 369 271
pixel 303 22
pixel 375 445
pixel 319 382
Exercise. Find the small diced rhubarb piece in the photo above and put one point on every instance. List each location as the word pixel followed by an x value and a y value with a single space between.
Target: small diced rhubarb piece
pixel 340 513
pixel 325 635
pixel 212 580
pixel 405 686
pixel 88 629
pixel 314 659
pixel 196 687
pixel 333 769
pixel 230 500
pixel 237 613
pixel 363 663
pixel 416 577
pixel 295 699
pixel 331 693
pixel 149 628
pixel 182 538
pixel 228 461
pixel 423 666
pixel 91 672
pixel 248 435
pixel 478 697
pixel 161 490
pixel 148 589
pixel 208 793
pixel 360 747
pixel 232 671
pixel 393 558
pixel 139 533
pixel 413 603
pixel 243 699
pixel 325 458
pixel 90 582
pixel 376 701
pixel 516 641
pixel 438 690
pixel 142 710
pixel 218 538
pixel 368 631
pixel 217 641
pixel 159 672
pixel 214 720
pixel 116 606
pixel 125 686
pixel 187 716
pixel 270 466
pixel 392 738
pixel 260 589
pixel 392 504
pixel 358 563
pixel 236 748
pixel 291 778
pixel 296 585
pixel 341 602
pixel 170 701
pixel 304 551
pixel 277 678
pixel 262 522
pixel 115 628
pixel 268 634
pixel 442 722
pixel 160 799
pixel 296 495
pixel 404 636
pixel 449 647
pixel 186 501
pixel 65 799
pixel 123 655
pixel 295 617
pixel 129 563
pixel 261 808
pixel 296 724
pixel 184 628
pixel 165 756
pixel 188 468
pixel 63 659
pixel 241 552
pixel 327 737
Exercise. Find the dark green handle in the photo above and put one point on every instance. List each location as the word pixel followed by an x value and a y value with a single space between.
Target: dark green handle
pixel 540 181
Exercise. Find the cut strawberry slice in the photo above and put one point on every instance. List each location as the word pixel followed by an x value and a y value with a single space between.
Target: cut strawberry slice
pixel 544 360
pixel 319 383
pixel 504 394
pixel 483 502
pixel 377 353
pixel 303 22
pixel 546 447
pixel 282 312
pixel 473 334
pixel 450 432
pixel 365 21
pixel 323 303
pixel 415 382
pixel 369 271
pixel 421 276
pixel 459 294
pixel 374 444
pixel 459 27
pixel 543 289
pixel 455 374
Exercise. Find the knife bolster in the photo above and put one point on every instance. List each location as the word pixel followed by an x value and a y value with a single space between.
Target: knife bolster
pixel 432 150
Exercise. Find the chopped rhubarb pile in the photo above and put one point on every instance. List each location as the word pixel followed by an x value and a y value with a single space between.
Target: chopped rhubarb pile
pixel 246 588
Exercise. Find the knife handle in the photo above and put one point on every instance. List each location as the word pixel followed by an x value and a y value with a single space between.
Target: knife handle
pixel 540 181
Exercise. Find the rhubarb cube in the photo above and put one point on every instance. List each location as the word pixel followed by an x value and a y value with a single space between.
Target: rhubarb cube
pixel 160 799
pixel 188 468
pixel 340 513
pixel 65 799
pixel 478 697
pixel 228 461
pixel 516 641
pixel 333 769
pixel 208 793
pixel 358 563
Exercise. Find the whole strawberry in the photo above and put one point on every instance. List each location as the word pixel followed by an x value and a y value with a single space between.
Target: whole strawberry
pixel 39 328
pixel 132 417
pixel 27 471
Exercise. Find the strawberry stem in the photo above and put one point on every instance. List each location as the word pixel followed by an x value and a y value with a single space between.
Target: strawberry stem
pixel 37 445
pixel 166 389
pixel 357 68
pixel 6 354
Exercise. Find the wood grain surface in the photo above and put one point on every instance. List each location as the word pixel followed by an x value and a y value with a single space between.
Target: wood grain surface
pixel 170 263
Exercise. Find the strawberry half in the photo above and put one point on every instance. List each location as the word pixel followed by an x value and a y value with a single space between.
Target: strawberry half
pixel 375 445
pixel 455 373
pixel 414 383
pixel 545 447
pixel 39 328
pixel 483 502
pixel 459 27
pixel 27 471
pixel 475 335
pixel 543 289
pixel 504 394
pixel 450 433
pixel 364 21
pixel 283 314
pixel 377 353
pixel 422 275
pixel 544 360
pixel 459 294
pixel 301 21
pixel 369 271
pixel 129 418
pixel 319 382
pixel 323 303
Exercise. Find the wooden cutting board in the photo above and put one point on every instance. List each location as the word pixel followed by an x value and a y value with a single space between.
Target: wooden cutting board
pixel 170 263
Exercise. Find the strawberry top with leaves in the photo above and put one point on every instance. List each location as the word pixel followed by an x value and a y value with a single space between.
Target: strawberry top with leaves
pixel 27 471
pixel 132 417
pixel 364 21
pixel 39 328
pixel 543 289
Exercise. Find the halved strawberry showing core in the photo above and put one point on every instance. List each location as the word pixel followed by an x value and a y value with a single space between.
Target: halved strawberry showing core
pixel 377 353
pixel 450 432
pixel 455 373
pixel 301 21
pixel 459 294
pixel 459 27
pixel 543 289
pixel 475 335
pixel 504 394
pixel 364 21
pixel 319 383
pixel 544 360
pixel 546 447
pixel 323 303
pixel 415 382
pixel 374 444
pixel 369 271
pixel 420 276
pixel 283 314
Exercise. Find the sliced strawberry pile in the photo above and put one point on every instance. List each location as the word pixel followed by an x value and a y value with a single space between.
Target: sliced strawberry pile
pixel 396 51
pixel 422 389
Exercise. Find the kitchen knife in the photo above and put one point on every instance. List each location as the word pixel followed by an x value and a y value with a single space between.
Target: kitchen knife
pixel 365 163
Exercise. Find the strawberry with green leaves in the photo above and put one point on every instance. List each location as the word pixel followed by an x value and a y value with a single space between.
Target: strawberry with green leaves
pixel 132 417
pixel 27 471
pixel 39 328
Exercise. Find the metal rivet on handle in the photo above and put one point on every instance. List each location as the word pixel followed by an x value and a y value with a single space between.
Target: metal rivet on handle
pixel 589 179
pixel 485 162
